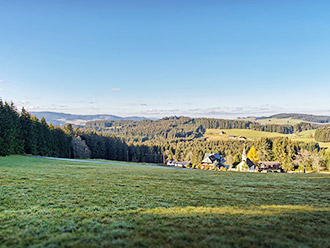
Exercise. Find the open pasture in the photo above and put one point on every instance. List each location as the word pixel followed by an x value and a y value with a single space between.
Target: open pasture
pixel 214 134
pixel 280 121
pixel 304 136
pixel 47 203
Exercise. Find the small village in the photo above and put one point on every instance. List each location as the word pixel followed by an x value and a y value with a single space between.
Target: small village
pixel 214 161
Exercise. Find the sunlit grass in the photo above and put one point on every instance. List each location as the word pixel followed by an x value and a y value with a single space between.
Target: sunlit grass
pixel 304 136
pixel 50 203
pixel 262 210
pixel 280 121
pixel 214 134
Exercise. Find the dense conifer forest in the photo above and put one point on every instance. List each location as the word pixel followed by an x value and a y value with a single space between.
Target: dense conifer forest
pixel 182 128
pixel 23 133
pixel 174 138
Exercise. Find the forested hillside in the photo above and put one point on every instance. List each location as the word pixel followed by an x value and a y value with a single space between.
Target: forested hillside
pixel 175 138
pixel 21 133
pixel 167 128
pixel 181 128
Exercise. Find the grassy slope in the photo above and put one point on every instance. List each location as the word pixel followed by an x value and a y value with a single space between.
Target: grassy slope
pixel 214 134
pixel 280 121
pixel 284 121
pixel 54 203
pixel 305 136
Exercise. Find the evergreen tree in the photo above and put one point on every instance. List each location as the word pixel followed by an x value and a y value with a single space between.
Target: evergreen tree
pixel 11 136
pixel 265 149
pixel 29 133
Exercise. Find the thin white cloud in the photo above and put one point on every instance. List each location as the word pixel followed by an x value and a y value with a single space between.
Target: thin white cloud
pixel 115 89
pixel 56 107
pixel 1 89
pixel 215 112
pixel 1 81
pixel 33 108
pixel 242 110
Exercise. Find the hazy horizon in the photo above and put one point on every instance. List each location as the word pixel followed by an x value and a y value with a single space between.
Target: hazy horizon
pixel 234 117
pixel 219 59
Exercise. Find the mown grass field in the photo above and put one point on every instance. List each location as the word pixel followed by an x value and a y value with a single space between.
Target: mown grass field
pixel 280 121
pixel 305 136
pixel 46 203
pixel 214 134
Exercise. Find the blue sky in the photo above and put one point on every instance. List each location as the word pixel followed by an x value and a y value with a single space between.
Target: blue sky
pixel 162 58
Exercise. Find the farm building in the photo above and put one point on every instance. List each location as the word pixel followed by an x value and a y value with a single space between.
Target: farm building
pixel 178 164
pixel 267 166
pixel 222 133
pixel 212 161
pixel 232 136
pixel 241 138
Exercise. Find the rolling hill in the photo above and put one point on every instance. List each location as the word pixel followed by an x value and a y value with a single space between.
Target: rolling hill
pixel 320 119
pixel 304 136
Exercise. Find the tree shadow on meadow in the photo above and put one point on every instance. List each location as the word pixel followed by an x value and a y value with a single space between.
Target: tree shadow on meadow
pixel 226 226
pixel 253 226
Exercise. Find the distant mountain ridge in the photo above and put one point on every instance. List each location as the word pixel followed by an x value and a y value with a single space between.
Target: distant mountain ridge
pixel 303 117
pixel 60 119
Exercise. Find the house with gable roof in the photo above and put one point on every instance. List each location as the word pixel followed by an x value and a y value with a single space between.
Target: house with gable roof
pixel 212 161
pixel 270 166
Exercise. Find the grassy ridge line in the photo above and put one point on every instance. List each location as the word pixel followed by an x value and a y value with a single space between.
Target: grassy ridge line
pixel 50 203
pixel 305 136
pixel 285 121
pixel 214 134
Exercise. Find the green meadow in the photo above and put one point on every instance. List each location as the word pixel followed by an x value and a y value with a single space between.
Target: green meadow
pixel 304 136
pixel 214 134
pixel 47 203
pixel 280 121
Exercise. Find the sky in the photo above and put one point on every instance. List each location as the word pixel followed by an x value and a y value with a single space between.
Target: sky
pixel 198 58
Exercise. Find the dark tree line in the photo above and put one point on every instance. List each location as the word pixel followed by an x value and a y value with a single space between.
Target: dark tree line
pixel 23 133
pixel 239 124
pixel 115 148
pixel 303 126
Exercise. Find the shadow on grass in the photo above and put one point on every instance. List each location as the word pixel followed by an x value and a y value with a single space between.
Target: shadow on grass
pixel 253 226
